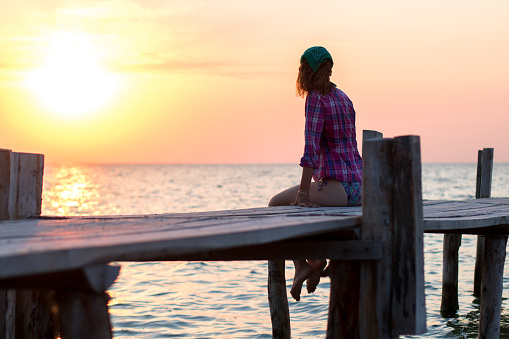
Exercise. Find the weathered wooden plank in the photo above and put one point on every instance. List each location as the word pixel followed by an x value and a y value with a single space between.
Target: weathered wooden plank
pixel 115 223
pixel 22 237
pixel 261 211
pixel 334 250
pixel 42 255
pixel 492 285
pixel 480 210
pixel 148 229
pixel 278 300
pixel 475 224
pixel 96 278
pixel 140 226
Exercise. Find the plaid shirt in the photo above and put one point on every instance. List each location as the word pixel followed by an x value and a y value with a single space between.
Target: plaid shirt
pixel 331 145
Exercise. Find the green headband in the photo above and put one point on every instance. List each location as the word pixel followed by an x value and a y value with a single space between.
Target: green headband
pixel 315 56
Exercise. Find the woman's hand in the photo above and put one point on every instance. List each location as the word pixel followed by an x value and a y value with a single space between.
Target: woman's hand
pixel 303 200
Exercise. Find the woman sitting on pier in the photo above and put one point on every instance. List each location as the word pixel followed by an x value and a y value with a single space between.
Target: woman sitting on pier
pixel 331 156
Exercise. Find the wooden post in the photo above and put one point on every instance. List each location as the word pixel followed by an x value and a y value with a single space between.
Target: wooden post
pixel 5 183
pixel 392 300
pixel 10 314
pixel 7 313
pixel 482 190
pixel 278 300
pixel 84 315
pixel 370 135
pixel 492 285
pixel 77 296
pixel 83 312
pixel 34 314
pixel 408 297
pixel 21 177
pixel 377 217
pixel 343 319
pixel 450 304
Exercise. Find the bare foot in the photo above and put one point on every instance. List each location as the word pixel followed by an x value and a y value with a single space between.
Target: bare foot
pixel 314 278
pixel 302 272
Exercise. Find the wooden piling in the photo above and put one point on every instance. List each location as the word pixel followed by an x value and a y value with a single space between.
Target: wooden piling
pixel 21 178
pixel 84 315
pixel 83 302
pixel 450 304
pixel 393 288
pixel 34 314
pixel 343 319
pixel 492 285
pixel 5 183
pixel 408 297
pixel 7 313
pixel 278 300
pixel 10 314
pixel 483 190
pixel 452 242
pixel 377 218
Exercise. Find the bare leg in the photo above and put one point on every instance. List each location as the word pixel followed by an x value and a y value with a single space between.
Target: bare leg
pixel 302 272
pixel 314 279
pixel 308 271
pixel 331 195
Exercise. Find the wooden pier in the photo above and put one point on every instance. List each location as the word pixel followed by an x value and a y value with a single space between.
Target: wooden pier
pixel 62 265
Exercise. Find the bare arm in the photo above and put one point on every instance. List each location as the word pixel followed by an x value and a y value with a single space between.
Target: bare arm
pixel 303 199
pixel 305 181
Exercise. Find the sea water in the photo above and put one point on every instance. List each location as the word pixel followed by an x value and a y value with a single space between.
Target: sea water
pixel 229 299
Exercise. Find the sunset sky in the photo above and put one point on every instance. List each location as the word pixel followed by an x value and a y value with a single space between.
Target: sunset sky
pixel 188 81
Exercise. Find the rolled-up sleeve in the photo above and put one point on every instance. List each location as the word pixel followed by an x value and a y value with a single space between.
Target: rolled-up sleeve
pixel 313 130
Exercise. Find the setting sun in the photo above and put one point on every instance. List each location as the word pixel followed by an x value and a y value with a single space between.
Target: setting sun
pixel 71 81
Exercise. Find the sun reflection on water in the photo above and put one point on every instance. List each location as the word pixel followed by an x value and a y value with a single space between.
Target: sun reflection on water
pixel 72 192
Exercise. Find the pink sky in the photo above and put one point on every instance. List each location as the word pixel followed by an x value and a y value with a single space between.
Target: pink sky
pixel 214 82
